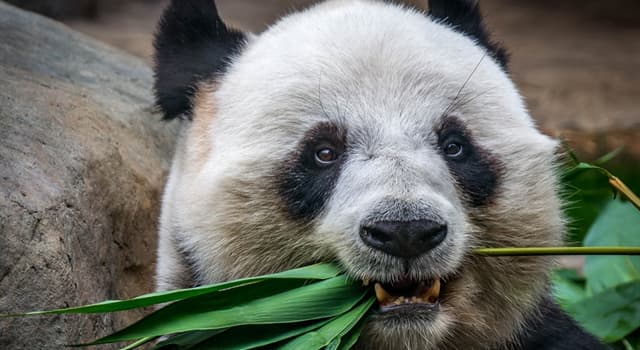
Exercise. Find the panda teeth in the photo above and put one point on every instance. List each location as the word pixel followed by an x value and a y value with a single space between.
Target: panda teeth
pixel 422 295
pixel 432 293
pixel 384 298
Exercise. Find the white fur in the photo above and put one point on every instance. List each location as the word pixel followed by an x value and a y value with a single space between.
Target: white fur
pixel 388 74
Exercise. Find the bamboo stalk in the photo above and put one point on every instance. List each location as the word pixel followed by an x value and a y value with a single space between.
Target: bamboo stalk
pixel 529 251
pixel 138 343
pixel 626 192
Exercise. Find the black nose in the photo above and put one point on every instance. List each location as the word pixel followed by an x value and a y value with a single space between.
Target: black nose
pixel 405 239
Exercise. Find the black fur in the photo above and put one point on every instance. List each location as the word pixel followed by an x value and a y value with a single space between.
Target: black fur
pixel 304 186
pixel 192 45
pixel 464 16
pixel 475 170
pixel 555 330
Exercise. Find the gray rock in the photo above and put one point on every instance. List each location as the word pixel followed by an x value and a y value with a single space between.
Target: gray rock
pixel 68 8
pixel 83 157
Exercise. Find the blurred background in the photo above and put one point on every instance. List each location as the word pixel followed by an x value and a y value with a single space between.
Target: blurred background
pixel 577 62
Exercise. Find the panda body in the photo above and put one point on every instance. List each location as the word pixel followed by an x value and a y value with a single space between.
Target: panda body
pixel 387 140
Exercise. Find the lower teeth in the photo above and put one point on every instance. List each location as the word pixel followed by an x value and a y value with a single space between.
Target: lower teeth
pixel 428 296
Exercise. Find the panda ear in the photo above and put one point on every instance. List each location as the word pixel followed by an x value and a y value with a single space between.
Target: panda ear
pixel 192 45
pixel 465 17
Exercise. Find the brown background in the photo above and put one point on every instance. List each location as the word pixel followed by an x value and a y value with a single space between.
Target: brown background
pixel 577 62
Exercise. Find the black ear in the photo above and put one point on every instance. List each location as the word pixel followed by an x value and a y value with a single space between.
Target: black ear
pixel 192 45
pixel 464 16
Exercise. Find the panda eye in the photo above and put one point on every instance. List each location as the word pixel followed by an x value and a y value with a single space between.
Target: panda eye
pixel 453 149
pixel 326 156
pixel 455 146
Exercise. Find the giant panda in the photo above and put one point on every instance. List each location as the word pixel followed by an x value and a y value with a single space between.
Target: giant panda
pixel 386 139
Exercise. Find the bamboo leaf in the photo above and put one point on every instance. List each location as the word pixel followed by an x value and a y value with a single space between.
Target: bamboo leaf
pixel 609 156
pixel 579 168
pixel 334 344
pixel 618 224
pixel 349 340
pixel 611 314
pixel 251 337
pixel 567 289
pixel 318 300
pixel 312 272
pixel 187 340
pixel 334 329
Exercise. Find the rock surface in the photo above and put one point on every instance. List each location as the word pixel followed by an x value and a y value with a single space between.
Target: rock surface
pixel 83 157
pixel 67 8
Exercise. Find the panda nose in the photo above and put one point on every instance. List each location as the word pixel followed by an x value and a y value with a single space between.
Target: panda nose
pixel 406 239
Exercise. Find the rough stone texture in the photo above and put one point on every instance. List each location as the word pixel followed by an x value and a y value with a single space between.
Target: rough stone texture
pixel 68 8
pixel 82 161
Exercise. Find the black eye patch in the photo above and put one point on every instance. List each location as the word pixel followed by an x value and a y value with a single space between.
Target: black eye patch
pixel 303 183
pixel 475 169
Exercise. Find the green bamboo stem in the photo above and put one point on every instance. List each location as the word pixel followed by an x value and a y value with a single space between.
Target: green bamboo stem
pixel 138 343
pixel 529 251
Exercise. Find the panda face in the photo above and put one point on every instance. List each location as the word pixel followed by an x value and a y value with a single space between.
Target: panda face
pixel 380 138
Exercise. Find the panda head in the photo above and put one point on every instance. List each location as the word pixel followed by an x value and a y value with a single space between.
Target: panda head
pixel 386 139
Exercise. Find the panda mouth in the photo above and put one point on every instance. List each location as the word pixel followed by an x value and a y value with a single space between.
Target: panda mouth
pixel 403 293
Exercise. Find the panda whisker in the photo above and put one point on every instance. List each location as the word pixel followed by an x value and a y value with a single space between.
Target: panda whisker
pixel 453 103
pixel 468 98
pixel 320 103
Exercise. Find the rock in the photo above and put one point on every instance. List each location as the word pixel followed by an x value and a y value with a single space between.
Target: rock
pixel 68 8
pixel 83 156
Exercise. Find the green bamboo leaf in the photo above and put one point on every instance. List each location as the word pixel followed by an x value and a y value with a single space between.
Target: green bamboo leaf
pixel 180 310
pixel 567 286
pixel 350 339
pixel 609 156
pixel 187 340
pixel 618 224
pixel 312 272
pixel 251 337
pixel 214 301
pixel 334 344
pixel 611 314
pixel 334 329
pixel 222 310
pixel 579 168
